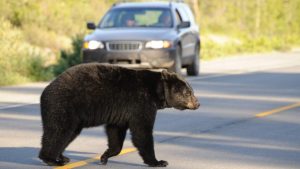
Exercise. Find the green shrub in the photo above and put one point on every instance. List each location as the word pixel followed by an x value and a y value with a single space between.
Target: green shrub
pixel 37 70
pixel 69 58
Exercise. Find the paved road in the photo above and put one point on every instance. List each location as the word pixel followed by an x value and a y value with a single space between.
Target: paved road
pixel 226 132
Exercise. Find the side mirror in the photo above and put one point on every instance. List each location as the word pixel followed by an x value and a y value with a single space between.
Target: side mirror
pixel 184 24
pixel 91 25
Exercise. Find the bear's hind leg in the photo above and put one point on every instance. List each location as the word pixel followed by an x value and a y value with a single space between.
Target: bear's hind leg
pixel 116 136
pixel 53 144
pixel 73 136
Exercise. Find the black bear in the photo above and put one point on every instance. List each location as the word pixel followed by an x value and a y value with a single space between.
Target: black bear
pixel 93 94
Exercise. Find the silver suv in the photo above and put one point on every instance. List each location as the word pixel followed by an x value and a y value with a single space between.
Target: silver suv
pixel 150 35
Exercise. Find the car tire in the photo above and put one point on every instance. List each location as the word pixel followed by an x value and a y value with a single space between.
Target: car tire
pixel 193 69
pixel 176 67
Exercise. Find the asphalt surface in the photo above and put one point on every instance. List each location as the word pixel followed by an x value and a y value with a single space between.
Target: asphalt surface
pixel 224 133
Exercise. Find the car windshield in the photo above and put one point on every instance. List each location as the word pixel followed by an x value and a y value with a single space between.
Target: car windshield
pixel 137 17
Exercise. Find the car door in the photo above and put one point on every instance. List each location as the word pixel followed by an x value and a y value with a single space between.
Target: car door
pixel 188 40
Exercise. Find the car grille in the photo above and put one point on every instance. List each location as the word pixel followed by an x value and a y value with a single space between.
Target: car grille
pixel 124 46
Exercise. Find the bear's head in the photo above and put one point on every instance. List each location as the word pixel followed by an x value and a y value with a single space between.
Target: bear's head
pixel 178 93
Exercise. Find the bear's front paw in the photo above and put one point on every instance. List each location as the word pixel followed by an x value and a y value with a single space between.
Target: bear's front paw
pixel 57 162
pixel 160 163
pixel 64 159
pixel 103 160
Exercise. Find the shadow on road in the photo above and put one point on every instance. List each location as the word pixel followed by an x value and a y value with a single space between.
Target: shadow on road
pixel 125 163
pixel 29 155
pixel 20 155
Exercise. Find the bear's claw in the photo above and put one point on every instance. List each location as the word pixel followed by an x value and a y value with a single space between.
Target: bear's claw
pixel 103 160
pixel 64 159
pixel 51 162
pixel 60 161
pixel 160 163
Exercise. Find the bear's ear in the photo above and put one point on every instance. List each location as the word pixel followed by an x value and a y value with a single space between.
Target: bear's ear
pixel 164 89
pixel 165 74
pixel 168 75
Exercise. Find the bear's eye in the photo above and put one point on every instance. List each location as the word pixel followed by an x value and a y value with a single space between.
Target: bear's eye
pixel 186 93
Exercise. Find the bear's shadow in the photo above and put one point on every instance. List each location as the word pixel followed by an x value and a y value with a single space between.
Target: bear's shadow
pixel 125 163
pixel 29 156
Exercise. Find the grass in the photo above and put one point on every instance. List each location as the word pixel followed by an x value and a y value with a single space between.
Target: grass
pixel 212 49
pixel 20 62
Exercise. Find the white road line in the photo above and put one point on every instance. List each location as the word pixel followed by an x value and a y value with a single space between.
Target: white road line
pixel 19 117
pixel 216 75
pixel 211 76
pixel 16 105
pixel 237 72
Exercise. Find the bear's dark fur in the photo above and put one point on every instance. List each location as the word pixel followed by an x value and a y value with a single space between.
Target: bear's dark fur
pixel 89 95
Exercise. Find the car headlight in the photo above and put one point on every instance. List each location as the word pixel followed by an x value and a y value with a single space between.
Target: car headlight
pixel 158 44
pixel 93 45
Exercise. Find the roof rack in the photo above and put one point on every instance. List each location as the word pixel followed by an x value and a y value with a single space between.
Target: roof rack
pixel 124 1
pixel 176 0
pixel 120 1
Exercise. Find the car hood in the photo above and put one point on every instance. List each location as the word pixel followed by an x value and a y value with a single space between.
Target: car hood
pixel 140 34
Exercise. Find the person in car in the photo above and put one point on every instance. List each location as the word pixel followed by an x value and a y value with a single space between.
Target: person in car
pixel 128 20
pixel 164 20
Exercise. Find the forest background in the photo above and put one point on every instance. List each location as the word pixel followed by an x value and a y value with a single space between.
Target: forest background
pixel 40 39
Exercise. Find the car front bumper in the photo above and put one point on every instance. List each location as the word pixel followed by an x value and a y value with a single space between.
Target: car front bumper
pixel 146 58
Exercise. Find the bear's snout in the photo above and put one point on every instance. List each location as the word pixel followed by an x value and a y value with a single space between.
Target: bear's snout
pixel 193 104
pixel 197 105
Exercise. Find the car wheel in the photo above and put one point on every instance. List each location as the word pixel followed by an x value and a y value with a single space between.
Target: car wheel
pixel 177 61
pixel 193 69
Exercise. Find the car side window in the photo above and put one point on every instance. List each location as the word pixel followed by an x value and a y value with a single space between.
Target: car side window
pixel 178 17
pixel 183 14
